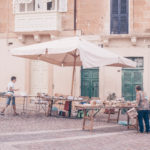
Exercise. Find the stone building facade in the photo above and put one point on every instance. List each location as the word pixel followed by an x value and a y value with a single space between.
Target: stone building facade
pixel 121 26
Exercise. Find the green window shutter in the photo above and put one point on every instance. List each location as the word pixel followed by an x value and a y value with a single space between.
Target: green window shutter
pixel 90 82
pixel 131 78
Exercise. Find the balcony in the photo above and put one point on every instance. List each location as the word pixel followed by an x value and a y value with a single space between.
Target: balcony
pixel 37 21
pixel 38 15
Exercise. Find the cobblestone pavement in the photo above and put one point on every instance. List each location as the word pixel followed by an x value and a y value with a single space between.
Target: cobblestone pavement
pixel 37 132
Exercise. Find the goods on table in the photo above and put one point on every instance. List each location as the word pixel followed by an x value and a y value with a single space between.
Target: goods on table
pixel 71 98
pixel 86 104
pixel 96 102
pixel 112 104
pixel 116 103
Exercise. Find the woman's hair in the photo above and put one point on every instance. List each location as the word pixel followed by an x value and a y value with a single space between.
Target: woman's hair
pixel 138 88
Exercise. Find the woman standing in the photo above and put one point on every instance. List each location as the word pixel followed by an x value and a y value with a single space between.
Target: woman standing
pixel 143 107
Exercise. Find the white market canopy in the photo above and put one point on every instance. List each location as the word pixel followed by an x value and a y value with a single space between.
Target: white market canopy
pixel 73 51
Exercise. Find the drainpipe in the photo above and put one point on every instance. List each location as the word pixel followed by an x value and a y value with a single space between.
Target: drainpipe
pixel 133 17
pixel 75 14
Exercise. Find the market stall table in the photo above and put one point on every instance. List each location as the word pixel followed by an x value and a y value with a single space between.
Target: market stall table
pixel 89 116
pixel 53 100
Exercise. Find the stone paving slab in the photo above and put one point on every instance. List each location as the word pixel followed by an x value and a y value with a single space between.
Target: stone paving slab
pixel 35 122
pixel 37 132
pixel 57 134
pixel 124 141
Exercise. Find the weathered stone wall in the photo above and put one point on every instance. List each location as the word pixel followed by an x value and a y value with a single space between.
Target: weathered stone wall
pixel 6 16
pixel 93 16
pixel 68 17
pixel 141 17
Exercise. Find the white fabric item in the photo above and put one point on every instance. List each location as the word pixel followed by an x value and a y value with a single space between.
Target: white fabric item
pixel 63 52
pixel 10 86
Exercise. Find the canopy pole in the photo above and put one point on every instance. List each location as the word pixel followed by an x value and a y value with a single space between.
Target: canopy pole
pixel 73 75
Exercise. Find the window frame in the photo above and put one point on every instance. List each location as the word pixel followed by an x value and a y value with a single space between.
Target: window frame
pixel 35 7
pixel 119 15
pixel 136 59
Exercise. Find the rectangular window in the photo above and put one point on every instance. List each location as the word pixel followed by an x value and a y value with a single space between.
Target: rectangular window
pixel 119 16
pixel 37 5
pixel 139 61
pixel 22 7
pixel 31 6
pixel 51 5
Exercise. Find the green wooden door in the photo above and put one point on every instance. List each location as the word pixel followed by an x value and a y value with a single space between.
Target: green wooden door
pixel 90 82
pixel 131 78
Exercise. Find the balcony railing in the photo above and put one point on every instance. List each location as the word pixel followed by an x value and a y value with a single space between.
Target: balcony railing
pixel 37 21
